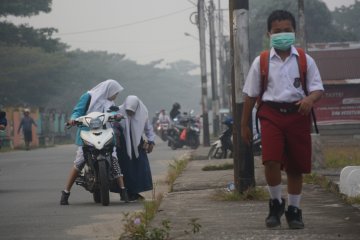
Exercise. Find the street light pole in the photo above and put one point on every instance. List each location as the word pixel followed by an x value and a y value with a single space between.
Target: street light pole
pixel 205 115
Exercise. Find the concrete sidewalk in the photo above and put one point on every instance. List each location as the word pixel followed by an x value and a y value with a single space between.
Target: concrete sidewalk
pixel 325 215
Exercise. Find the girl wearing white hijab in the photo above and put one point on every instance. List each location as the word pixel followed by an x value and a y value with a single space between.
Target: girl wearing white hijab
pixel 132 150
pixel 99 99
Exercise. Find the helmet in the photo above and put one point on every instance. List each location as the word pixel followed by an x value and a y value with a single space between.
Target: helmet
pixel 176 105
pixel 228 121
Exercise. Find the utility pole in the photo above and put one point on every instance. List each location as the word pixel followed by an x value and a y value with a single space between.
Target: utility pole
pixel 205 115
pixel 214 82
pixel 301 32
pixel 223 83
pixel 220 43
pixel 243 157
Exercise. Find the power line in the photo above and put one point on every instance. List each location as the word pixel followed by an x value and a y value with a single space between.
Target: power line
pixel 123 25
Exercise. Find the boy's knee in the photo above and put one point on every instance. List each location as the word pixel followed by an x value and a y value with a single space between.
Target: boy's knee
pixel 272 165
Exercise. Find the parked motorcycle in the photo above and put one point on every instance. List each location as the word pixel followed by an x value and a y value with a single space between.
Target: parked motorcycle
pixel 96 176
pixel 223 147
pixel 184 132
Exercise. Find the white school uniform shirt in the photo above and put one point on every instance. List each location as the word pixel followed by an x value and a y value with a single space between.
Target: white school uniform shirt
pixel 281 78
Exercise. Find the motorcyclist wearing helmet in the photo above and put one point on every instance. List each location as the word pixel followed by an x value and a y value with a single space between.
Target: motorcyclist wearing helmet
pixel 175 111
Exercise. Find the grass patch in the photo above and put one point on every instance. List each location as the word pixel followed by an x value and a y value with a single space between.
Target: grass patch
pixel 225 166
pixel 254 193
pixel 137 224
pixel 353 200
pixel 315 179
pixel 175 169
pixel 341 156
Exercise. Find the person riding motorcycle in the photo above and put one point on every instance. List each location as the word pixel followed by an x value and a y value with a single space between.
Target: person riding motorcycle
pixel 163 117
pixel 98 99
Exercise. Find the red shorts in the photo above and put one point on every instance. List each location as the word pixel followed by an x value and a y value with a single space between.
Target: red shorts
pixel 286 138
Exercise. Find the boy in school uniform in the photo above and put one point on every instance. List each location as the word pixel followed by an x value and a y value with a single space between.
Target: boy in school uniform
pixel 285 117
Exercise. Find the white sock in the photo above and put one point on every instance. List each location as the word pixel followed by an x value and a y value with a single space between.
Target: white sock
pixel 275 192
pixel 294 200
pixel 66 191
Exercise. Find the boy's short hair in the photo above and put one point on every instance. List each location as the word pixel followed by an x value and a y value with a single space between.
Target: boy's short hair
pixel 279 15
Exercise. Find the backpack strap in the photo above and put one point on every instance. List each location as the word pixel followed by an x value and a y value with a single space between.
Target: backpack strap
pixel 303 72
pixel 301 60
pixel 264 73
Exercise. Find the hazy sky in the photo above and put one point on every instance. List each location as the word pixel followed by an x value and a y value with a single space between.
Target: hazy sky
pixel 144 30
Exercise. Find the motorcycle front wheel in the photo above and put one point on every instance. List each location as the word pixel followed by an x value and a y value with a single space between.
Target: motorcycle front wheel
pixel 211 152
pixel 97 196
pixel 104 183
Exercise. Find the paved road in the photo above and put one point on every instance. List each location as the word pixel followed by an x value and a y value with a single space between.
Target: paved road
pixel 30 185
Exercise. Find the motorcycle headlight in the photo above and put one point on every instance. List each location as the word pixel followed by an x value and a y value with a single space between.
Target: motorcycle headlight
pixel 95 123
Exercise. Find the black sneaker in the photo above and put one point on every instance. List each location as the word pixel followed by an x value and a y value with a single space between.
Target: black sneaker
pixel 294 218
pixel 64 198
pixel 133 197
pixel 139 197
pixel 276 210
pixel 124 195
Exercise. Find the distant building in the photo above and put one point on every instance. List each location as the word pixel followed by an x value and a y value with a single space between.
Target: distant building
pixel 338 112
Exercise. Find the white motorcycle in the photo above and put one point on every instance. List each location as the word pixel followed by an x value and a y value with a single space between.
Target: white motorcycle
pixel 98 138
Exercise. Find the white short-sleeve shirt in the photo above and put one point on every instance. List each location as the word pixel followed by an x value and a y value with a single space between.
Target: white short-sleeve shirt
pixel 283 78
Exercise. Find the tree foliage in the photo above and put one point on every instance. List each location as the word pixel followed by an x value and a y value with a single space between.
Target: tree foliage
pixel 23 35
pixel 24 8
pixel 347 18
pixel 29 75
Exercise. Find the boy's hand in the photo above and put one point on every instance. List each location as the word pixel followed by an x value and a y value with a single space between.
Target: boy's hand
pixel 246 135
pixel 305 105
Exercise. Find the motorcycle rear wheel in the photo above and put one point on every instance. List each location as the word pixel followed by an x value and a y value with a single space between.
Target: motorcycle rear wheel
pixel 104 183
pixel 194 142
pixel 172 145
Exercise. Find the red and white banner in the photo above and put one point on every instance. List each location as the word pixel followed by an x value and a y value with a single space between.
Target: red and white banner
pixel 340 104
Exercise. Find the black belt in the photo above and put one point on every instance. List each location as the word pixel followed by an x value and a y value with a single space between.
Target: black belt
pixel 284 108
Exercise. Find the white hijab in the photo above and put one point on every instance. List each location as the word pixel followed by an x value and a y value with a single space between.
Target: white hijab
pixel 137 122
pixel 101 93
